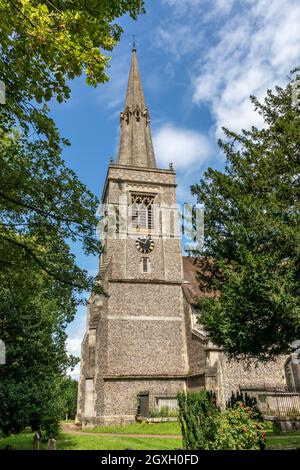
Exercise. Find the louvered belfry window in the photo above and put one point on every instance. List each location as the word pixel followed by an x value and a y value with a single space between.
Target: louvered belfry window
pixel 142 211
pixel 145 265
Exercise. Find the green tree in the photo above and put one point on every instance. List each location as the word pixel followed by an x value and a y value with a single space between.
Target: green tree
pixel 47 43
pixel 251 254
pixel 198 419
pixel 70 393
pixel 42 203
pixel 34 312
pixel 43 206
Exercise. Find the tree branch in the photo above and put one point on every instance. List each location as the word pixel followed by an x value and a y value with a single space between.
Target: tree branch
pixel 41 264
pixel 35 209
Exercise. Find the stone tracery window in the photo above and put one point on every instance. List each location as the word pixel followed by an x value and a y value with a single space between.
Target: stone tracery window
pixel 142 211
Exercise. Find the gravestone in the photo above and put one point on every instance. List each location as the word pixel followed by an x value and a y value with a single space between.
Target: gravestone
pixel 36 441
pixel 51 444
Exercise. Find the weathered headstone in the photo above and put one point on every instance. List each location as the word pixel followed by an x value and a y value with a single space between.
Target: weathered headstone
pixel 2 92
pixel 2 352
pixel 51 444
pixel 36 441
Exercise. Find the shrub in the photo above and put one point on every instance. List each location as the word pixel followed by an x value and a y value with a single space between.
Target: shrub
pixel 238 430
pixel 164 412
pixel 250 402
pixel 203 426
pixel 198 419
pixel 51 427
pixel 138 406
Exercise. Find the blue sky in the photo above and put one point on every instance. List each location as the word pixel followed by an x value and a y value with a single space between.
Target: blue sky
pixel 199 62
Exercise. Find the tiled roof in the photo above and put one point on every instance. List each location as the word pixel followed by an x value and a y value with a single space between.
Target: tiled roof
pixel 190 285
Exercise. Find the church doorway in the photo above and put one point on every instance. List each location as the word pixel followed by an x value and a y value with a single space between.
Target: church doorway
pixel 144 404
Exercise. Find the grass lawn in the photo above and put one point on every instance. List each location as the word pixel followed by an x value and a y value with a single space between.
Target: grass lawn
pixel 288 440
pixel 72 442
pixel 117 443
pixel 67 441
pixel 139 428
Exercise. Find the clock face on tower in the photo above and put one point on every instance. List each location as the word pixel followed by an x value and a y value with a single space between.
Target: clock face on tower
pixel 144 244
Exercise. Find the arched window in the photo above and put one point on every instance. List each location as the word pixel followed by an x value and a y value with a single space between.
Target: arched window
pixel 292 375
pixel 142 211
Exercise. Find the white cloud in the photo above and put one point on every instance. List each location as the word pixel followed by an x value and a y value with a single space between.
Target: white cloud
pixel 184 5
pixel 76 332
pixel 185 148
pixel 245 47
pixel 74 348
pixel 74 345
pixel 254 52
pixel 177 39
pixel 75 373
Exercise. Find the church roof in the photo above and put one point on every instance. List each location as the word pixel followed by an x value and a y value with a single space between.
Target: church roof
pixel 136 147
pixel 190 285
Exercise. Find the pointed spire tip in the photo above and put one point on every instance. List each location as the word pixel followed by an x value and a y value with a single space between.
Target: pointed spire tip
pixel 133 44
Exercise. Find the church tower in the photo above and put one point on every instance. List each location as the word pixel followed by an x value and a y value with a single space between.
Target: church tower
pixel 143 342
pixel 135 344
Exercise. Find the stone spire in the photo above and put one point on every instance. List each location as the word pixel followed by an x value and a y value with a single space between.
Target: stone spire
pixel 136 148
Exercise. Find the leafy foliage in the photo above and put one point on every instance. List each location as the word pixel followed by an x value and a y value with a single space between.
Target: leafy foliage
pixel 197 417
pixel 205 427
pixel 42 203
pixel 249 402
pixel 239 430
pixel 45 44
pixel 252 251
pixel 34 313
pixel 70 393
pixel 163 412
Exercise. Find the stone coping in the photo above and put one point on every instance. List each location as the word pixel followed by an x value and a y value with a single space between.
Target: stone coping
pixel 153 377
